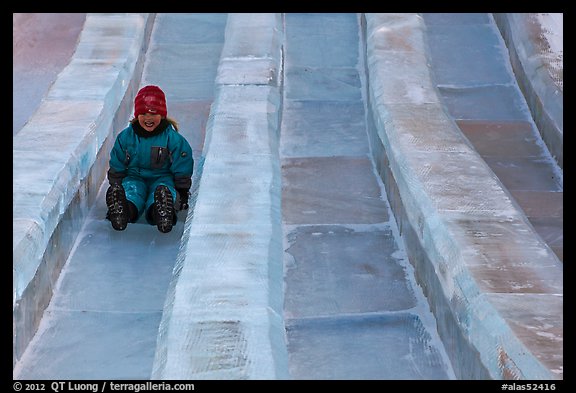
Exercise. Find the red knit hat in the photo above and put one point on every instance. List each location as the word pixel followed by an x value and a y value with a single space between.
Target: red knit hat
pixel 150 99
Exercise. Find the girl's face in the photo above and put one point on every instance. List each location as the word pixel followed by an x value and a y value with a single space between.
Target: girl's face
pixel 149 121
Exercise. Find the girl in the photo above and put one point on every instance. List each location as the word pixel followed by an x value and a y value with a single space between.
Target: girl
pixel 151 166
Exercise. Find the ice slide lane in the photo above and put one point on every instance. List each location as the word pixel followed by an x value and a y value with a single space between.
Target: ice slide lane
pixel 103 319
pixel 59 158
pixel 198 340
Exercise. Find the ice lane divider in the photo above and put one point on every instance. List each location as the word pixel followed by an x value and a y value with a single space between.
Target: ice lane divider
pixel 226 297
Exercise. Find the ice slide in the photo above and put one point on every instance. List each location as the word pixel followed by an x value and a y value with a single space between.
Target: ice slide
pixel 292 238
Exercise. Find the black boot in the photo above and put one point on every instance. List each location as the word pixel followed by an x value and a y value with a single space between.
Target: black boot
pixel 163 209
pixel 117 205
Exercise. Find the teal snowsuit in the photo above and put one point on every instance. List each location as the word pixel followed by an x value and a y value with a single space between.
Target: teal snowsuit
pixel 143 160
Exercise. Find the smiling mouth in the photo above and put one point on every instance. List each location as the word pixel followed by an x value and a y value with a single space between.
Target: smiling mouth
pixel 149 124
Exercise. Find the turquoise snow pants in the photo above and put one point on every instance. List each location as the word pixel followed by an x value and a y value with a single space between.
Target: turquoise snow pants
pixel 140 191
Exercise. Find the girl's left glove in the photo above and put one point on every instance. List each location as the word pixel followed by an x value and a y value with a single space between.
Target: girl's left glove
pixel 183 193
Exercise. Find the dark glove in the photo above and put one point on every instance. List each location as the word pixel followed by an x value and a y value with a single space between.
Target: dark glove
pixel 115 177
pixel 184 194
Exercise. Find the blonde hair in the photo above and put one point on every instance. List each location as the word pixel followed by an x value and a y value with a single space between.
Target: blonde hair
pixel 170 120
pixel 173 122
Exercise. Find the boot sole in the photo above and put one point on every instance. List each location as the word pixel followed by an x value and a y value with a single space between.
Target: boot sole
pixel 117 207
pixel 164 209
